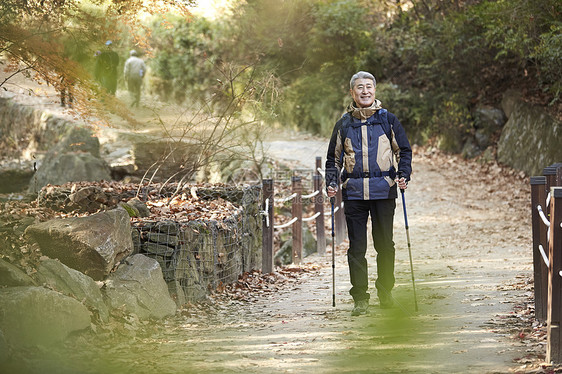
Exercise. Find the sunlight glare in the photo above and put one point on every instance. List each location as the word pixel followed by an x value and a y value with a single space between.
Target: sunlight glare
pixel 212 9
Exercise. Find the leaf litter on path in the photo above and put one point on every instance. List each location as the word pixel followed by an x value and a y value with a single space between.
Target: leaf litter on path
pixel 469 226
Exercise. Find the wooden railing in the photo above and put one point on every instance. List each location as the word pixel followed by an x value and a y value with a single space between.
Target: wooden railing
pixel 296 222
pixel 546 211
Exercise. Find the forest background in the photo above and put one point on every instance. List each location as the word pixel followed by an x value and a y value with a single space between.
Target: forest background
pixel 288 63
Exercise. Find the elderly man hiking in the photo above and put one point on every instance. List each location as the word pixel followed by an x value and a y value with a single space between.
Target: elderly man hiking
pixel 134 71
pixel 365 145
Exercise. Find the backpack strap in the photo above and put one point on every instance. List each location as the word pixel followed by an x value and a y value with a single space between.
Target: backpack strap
pixel 386 126
pixel 347 120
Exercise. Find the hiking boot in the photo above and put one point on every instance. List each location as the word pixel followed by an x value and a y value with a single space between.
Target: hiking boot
pixel 386 301
pixel 360 307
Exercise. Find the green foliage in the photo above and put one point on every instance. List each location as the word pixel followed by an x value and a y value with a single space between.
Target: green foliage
pixel 314 100
pixel 446 59
pixel 131 210
pixel 410 108
pixel 451 122
pixel 313 104
pixel 528 31
pixel 291 60
pixel 183 57
pixel 54 42
pixel 443 120
pixel 548 54
pixel 338 38
pixel 276 31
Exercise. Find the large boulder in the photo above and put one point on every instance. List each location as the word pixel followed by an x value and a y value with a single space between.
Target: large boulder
pixel 69 167
pixel 12 276
pixel 75 158
pixel 139 287
pixel 61 278
pixel 488 121
pixel 39 316
pixel 17 121
pixel 510 101
pixel 486 127
pixel 92 245
pixel 530 139
pixel 14 180
pixel 46 130
pixel 4 349
pixel 167 155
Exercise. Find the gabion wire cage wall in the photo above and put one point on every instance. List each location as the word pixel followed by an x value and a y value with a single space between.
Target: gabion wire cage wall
pixel 202 236
pixel 198 256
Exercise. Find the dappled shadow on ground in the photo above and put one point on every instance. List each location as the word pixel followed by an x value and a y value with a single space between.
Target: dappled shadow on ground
pixel 469 226
pixel 470 231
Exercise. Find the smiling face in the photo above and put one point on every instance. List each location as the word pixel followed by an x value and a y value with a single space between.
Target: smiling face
pixel 363 92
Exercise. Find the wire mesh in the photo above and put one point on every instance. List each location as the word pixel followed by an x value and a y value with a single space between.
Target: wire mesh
pixel 203 236
pixel 197 256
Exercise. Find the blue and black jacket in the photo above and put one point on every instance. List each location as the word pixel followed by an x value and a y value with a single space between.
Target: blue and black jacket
pixel 367 156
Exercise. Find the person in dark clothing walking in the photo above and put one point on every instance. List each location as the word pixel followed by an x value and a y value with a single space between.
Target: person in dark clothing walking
pixel 369 153
pixel 105 73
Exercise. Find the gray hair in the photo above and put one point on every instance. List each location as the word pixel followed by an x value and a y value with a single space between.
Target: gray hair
pixel 362 75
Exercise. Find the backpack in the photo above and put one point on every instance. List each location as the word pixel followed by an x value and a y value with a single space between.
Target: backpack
pixel 347 121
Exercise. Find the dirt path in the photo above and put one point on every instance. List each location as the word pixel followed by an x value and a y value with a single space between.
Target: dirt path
pixel 470 235
pixel 471 251
pixel 470 240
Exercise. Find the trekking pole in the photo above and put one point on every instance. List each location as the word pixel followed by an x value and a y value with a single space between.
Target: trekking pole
pixel 409 248
pixel 332 200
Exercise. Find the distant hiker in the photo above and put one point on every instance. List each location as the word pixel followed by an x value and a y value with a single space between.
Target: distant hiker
pixel 365 145
pixel 105 73
pixel 65 89
pixel 134 72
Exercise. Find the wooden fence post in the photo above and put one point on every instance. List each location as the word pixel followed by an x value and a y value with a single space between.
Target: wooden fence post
pixel 320 221
pixel 296 211
pixel 540 270
pixel 553 348
pixel 318 165
pixel 267 226
pixel 319 208
pixel 550 173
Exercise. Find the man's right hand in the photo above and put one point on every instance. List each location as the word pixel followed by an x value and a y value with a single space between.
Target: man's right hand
pixel 332 190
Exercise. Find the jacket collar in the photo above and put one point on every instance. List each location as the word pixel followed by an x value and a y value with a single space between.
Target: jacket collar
pixel 364 113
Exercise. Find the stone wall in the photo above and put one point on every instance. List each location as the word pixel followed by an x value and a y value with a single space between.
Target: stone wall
pixel 198 256
pixel 28 130
pixel 38 147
